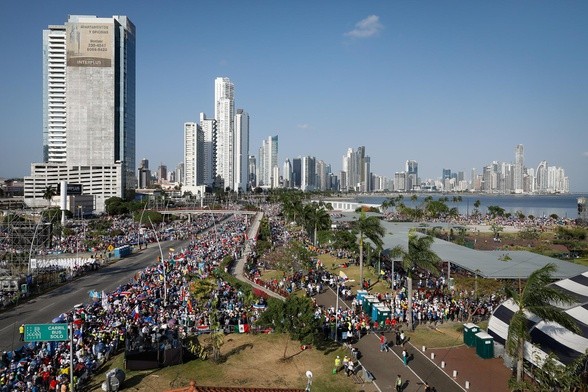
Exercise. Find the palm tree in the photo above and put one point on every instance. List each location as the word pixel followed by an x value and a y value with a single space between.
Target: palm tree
pixel 539 298
pixel 316 218
pixel 49 193
pixel 292 206
pixel 418 256
pixel 372 229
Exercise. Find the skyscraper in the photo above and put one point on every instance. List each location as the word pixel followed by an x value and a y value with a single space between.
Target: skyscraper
pixel 208 126
pixel 193 154
pixel 356 174
pixel 224 113
pixel 88 108
pixel 412 175
pixel 268 159
pixel 252 172
pixel 518 169
pixel 241 150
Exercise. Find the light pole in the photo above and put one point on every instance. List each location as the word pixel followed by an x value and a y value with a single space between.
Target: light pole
pixel 162 262
pixel 140 224
pixel 337 311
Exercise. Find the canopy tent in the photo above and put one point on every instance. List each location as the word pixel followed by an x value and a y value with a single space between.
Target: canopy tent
pixel 549 337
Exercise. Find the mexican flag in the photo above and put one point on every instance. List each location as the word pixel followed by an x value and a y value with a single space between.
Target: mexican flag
pixel 242 328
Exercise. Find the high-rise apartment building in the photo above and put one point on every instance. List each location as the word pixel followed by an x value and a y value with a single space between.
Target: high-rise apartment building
pixel 208 126
pixel 224 113
pixel 144 174
pixel 412 175
pixel 88 108
pixel 287 174
pixel 268 159
pixel 356 175
pixel 308 174
pixel 252 172
pixel 296 172
pixel 241 150
pixel 193 154
pixel 162 173
pixel 519 169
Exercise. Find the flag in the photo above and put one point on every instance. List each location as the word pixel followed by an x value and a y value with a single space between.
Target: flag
pixel 105 304
pixel 242 328
pixel 135 313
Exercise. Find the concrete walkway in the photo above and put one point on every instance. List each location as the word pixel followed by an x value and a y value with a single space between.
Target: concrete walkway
pixel 238 269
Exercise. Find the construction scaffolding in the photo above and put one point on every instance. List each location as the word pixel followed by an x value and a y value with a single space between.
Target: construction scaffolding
pixel 21 239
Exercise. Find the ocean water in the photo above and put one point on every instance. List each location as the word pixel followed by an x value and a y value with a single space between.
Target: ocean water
pixel 565 206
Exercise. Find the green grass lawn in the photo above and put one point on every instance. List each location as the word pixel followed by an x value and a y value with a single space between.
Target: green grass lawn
pixel 440 336
pixel 334 265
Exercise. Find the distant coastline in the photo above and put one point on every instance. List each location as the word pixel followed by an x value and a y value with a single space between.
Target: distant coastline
pixel 563 205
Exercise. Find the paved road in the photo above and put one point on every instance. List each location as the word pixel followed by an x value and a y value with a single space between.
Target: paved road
pixel 46 307
pixel 385 366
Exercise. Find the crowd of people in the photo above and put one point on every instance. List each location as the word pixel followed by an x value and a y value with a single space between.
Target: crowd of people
pixel 155 310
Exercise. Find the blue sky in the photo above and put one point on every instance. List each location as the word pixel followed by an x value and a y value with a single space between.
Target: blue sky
pixel 450 84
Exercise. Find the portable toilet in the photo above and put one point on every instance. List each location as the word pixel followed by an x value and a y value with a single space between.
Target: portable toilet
pixel 469 334
pixel 484 345
pixel 361 294
pixel 383 313
pixel 368 303
pixel 374 312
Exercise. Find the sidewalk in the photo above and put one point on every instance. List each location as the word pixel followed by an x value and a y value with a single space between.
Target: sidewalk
pixel 240 266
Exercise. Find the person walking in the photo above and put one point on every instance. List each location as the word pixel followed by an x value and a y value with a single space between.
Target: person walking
pixel 405 357
pixel 398 383
pixel 382 343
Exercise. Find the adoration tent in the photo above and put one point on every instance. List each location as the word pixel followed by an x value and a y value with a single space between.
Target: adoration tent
pixel 549 337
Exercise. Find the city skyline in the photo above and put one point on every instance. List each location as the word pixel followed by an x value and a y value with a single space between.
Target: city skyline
pixel 457 91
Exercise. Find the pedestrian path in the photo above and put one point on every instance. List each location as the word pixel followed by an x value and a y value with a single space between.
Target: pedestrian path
pixel 386 366
pixel 239 268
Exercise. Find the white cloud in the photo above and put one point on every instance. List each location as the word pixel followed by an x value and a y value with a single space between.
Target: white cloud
pixel 366 28
pixel 303 126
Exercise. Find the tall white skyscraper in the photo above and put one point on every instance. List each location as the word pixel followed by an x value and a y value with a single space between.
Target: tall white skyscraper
pixel 287 174
pixel 356 170
pixel 224 113
pixel 88 108
pixel 193 154
pixel 54 110
pixel 241 150
pixel 268 159
pixel 518 169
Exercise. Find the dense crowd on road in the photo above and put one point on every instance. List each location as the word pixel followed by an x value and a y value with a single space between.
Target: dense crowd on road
pixel 153 310
pixel 75 260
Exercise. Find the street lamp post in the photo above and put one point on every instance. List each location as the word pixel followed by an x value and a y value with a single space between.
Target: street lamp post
pixel 337 311
pixel 162 262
